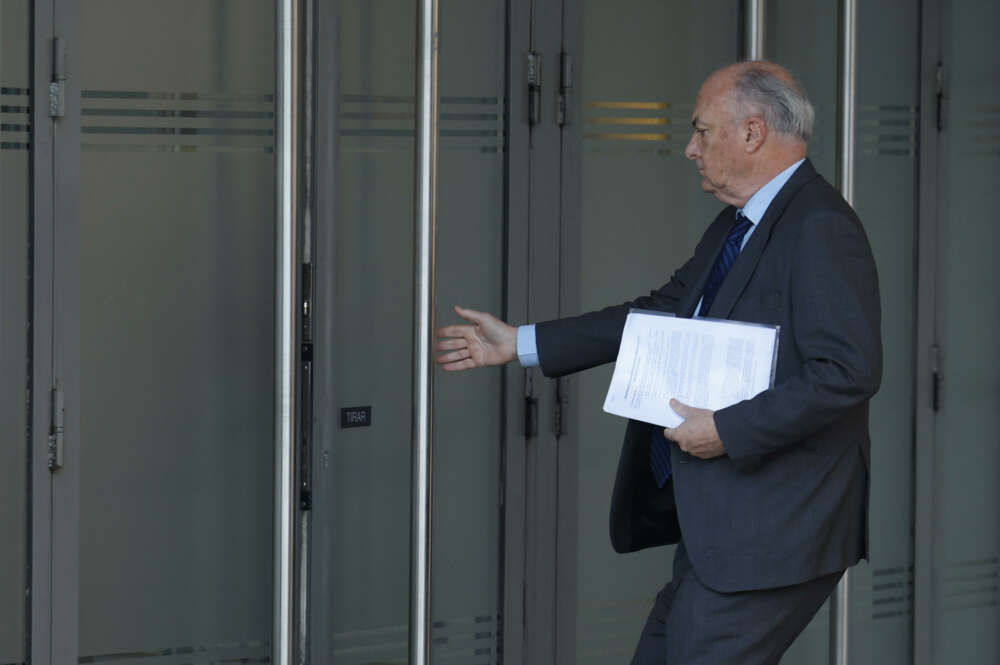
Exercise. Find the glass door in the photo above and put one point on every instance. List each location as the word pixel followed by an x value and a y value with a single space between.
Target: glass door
pixel 363 257
pixel 168 259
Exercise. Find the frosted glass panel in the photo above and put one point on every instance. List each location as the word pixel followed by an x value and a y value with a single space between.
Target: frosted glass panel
pixel 802 35
pixel 885 198
pixel 176 214
pixel 965 613
pixel 15 138
pixel 636 183
pixel 373 333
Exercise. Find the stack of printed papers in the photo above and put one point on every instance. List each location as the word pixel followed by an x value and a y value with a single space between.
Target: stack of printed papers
pixel 705 363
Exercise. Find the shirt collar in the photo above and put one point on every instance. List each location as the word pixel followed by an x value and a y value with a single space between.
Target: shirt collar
pixel 757 205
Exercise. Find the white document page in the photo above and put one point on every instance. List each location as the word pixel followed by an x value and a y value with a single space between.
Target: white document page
pixel 706 363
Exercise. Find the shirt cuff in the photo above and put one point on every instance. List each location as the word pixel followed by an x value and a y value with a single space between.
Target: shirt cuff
pixel 527 348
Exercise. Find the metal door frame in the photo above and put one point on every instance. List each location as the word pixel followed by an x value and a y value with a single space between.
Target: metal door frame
pixel 516 217
pixel 55 357
pixel 540 171
pixel 931 200
pixel 40 622
pixel 55 341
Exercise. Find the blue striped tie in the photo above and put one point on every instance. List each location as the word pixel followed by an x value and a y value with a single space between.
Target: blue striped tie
pixel 659 449
pixel 727 257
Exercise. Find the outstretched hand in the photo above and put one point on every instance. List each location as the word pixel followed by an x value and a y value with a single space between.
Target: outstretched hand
pixel 697 434
pixel 487 341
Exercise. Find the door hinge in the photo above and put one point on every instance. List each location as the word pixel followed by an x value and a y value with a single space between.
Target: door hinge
pixel 534 76
pixel 937 377
pixel 562 400
pixel 57 86
pixel 530 405
pixel 565 86
pixel 57 430
pixel 939 90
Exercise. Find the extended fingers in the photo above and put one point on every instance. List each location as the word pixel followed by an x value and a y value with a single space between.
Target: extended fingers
pixel 468 363
pixel 459 330
pixel 451 344
pixel 454 356
pixel 470 314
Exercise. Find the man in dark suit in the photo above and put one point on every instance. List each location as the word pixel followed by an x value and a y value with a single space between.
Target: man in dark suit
pixel 768 498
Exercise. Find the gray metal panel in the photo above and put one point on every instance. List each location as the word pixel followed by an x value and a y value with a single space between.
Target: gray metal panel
pixel 326 419
pixel 541 458
pixel 570 265
pixel 517 213
pixel 65 524
pixel 966 542
pixel 42 234
pixel 15 191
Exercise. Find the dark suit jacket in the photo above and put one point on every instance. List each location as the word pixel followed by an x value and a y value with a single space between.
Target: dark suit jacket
pixel 789 500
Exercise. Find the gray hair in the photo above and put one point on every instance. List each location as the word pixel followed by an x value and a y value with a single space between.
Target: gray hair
pixel 770 90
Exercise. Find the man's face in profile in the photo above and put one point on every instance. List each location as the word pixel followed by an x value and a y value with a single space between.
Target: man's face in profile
pixel 715 146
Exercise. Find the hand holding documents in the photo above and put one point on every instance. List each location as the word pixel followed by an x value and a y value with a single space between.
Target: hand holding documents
pixel 706 363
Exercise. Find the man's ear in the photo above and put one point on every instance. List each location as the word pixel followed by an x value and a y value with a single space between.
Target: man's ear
pixel 754 133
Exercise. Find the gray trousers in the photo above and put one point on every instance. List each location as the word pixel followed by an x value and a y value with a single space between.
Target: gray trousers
pixel 691 624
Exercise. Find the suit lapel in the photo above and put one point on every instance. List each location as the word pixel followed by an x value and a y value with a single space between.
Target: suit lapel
pixel 739 275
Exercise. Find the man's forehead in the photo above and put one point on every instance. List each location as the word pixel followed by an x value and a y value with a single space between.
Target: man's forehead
pixel 702 114
pixel 710 102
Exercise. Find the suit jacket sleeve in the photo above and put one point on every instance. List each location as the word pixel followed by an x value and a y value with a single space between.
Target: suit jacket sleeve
pixel 580 342
pixel 835 322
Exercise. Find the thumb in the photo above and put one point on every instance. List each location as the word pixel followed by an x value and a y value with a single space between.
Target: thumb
pixel 470 314
pixel 681 409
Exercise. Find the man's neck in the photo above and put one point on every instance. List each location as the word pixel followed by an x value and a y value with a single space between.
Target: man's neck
pixel 767 169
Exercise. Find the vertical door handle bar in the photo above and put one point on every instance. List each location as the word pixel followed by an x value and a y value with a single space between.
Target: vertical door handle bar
pixel 840 616
pixel 423 305
pixel 287 175
pixel 754 15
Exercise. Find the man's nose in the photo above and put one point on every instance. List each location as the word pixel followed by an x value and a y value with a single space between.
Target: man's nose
pixel 691 150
